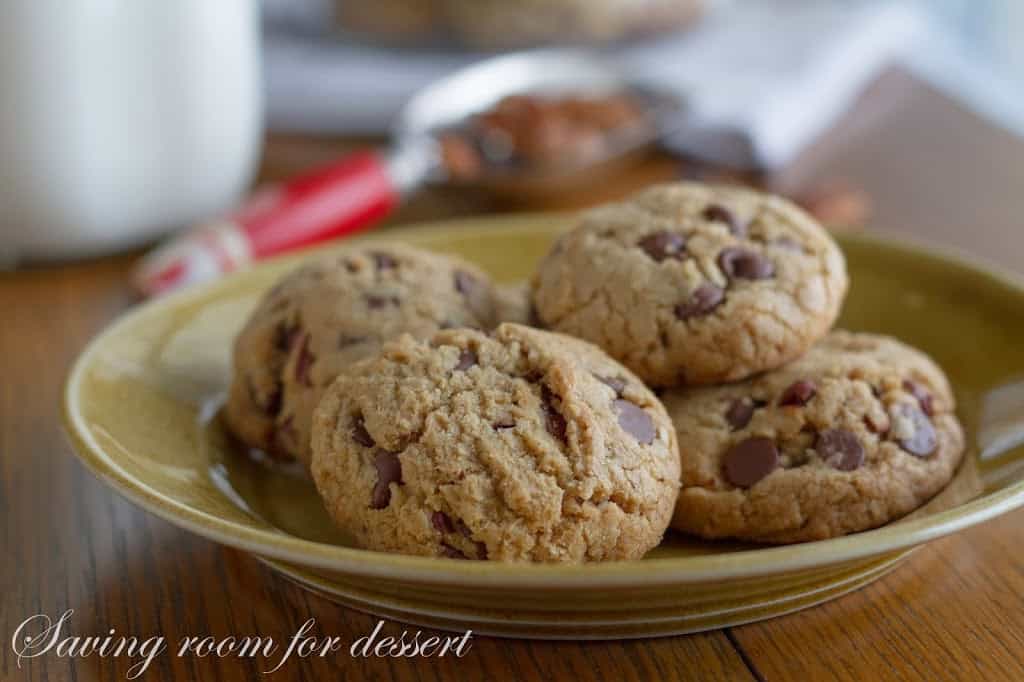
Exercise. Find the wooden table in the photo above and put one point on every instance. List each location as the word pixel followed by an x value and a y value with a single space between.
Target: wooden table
pixel 953 611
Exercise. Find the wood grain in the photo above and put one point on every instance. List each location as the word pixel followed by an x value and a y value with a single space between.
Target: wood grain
pixel 954 611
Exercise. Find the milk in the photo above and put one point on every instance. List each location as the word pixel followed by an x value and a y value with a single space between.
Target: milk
pixel 122 119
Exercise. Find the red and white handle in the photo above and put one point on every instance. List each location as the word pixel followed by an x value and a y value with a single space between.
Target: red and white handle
pixel 338 199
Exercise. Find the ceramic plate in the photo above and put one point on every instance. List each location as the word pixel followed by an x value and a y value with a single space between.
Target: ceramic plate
pixel 141 405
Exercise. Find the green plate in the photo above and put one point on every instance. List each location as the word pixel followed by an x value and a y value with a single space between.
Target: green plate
pixel 141 401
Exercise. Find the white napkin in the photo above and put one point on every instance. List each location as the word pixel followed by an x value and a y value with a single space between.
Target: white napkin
pixel 762 79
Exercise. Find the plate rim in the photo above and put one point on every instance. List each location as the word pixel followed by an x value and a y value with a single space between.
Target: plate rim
pixel 275 544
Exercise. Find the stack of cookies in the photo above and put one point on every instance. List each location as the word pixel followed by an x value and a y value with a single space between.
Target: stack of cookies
pixel 442 416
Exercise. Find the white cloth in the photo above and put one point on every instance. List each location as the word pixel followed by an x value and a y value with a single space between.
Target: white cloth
pixel 761 79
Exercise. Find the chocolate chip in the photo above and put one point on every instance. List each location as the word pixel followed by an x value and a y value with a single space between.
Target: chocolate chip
pixel 533 319
pixel 662 245
pixel 553 419
pixel 383 261
pixel 798 393
pixel 505 423
pixel 923 396
pixel 375 302
pixel 389 470
pixel 615 383
pixel 924 440
pixel 360 434
pixel 702 301
pixel 466 360
pixel 451 552
pixel 737 262
pixel 749 461
pixel 274 400
pixel 741 411
pixel 481 548
pixel 465 283
pixel 635 421
pixel 271 405
pixel 840 449
pixel 284 336
pixel 476 294
pixel 344 340
pixel 304 362
pixel 442 522
pixel 720 214
pixel 460 156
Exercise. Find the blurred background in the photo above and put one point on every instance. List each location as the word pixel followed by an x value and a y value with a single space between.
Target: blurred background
pixel 126 123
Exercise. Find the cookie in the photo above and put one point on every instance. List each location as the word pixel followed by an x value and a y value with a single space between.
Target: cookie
pixel 694 284
pixel 513 301
pixel 519 445
pixel 330 313
pixel 857 433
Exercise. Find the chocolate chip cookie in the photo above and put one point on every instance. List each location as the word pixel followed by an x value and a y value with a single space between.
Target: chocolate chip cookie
pixel 519 445
pixel 326 315
pixel 514 304
pixel 858 432
pixel 694 284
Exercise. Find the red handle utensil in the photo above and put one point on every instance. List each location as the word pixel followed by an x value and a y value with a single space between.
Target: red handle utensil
pixel 341 198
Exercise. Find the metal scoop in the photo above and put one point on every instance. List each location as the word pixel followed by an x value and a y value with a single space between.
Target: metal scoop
pixel 543 73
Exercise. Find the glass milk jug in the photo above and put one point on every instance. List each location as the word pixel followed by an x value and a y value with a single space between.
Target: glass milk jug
pixel 121 119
